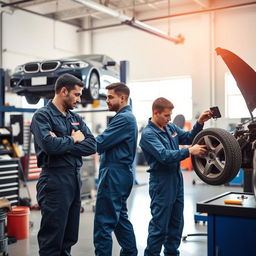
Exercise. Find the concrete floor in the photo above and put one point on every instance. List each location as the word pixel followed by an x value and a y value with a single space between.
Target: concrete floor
pixel 139 214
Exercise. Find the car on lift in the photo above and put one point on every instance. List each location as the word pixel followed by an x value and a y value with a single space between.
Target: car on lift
pixel 36 79
pixel 227 152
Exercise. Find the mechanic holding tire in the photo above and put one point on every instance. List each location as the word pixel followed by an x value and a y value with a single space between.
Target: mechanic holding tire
pixel 61 139
pixel 160 142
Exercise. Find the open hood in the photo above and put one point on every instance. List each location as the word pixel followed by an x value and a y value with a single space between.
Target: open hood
pixel 244 75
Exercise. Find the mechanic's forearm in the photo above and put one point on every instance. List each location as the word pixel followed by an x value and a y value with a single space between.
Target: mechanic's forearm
pixel 85 148
pixel 57 145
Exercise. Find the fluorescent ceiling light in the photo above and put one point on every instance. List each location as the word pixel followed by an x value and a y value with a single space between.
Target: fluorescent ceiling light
pixel 130 21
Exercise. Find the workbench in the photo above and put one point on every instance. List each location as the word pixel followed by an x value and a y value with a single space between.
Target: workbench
pixel 231 228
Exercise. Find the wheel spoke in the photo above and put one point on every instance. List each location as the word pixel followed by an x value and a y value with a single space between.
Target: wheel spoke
pixel 219 165
pixel 218 149
pixel 208 143
pixel 208 168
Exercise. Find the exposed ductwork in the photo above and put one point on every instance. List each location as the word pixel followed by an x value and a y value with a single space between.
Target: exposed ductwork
pixel 131 21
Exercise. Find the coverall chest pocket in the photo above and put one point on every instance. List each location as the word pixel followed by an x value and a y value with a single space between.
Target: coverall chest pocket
pixel 60 129
pixel 166 143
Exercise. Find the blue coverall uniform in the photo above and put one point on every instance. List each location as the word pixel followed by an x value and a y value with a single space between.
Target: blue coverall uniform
pixel 162 153
pixel 58 187
pixel 117 148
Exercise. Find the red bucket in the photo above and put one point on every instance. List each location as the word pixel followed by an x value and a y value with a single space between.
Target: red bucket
pixel 18 222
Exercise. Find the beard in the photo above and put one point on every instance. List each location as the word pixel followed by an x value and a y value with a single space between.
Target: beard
pixel 69 104
pixel 113 107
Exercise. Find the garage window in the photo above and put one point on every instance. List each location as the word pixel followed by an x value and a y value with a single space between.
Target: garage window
pixel 178 90
pixel 235 103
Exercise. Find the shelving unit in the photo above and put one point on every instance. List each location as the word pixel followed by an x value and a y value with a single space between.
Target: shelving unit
pixel 9 167
pixel 9 179
pixel 6 141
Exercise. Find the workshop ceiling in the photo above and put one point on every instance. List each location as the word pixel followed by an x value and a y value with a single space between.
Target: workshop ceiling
pixel 74 11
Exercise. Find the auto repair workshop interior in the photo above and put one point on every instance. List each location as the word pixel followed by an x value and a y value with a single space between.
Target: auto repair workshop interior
pixel 89 169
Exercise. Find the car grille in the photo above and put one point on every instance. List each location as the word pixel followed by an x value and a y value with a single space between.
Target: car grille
pixel 49 66
pixel 35 67
pixel 31 67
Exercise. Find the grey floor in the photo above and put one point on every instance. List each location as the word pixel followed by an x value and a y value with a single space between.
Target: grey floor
pixel 139 214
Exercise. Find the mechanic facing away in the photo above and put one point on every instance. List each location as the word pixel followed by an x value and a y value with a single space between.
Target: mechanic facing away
pixel 61 139
pixel 117 148
pixel 160 142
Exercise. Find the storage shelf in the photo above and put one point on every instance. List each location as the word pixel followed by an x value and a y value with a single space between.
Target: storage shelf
pixel 9 180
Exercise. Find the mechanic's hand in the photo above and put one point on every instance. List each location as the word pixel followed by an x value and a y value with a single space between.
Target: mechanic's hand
pixel 205 116
pixel 53 134
pixel 197 150
pixel 78 136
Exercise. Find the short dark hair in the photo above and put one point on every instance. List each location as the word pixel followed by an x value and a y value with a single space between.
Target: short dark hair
pixel 160 104
pixel 119 88
pixel 68 81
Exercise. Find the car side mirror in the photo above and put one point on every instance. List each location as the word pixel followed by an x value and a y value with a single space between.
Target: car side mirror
pixel 110 63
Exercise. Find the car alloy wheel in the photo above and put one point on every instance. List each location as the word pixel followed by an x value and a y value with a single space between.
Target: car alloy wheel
pixel 223 159
pixel 94 86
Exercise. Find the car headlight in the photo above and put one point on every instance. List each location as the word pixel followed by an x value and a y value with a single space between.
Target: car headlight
pixel 75 64
pixel 19 68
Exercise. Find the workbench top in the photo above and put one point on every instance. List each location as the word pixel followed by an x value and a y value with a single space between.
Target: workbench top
pixel 216 205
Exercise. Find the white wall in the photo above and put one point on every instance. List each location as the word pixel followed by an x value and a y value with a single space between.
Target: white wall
pixel 27 37
pixel 153 58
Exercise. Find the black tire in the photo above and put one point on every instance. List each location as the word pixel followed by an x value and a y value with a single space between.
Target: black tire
pixel 179 120
pixel 223 159
pixel 93 90
pixel 32 99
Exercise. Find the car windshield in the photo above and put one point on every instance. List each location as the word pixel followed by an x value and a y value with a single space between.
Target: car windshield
pixel 92 57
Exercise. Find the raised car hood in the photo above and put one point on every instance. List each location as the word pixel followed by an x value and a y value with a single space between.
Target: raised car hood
pixel 244 75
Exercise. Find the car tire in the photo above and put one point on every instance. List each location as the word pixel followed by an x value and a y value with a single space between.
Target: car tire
pixel 32 99
pixel 92 92
pixel 223 159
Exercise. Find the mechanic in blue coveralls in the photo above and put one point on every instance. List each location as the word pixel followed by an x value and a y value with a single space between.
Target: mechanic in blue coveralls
pixel 61 139
pixel 160 142
pixel 117 147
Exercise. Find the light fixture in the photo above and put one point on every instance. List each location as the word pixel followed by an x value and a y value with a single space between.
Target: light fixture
pixel 131 21
pixel 154 31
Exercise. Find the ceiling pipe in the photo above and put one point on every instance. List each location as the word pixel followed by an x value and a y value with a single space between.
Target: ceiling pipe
pixel 104 9
pixel 39 14
pixel 15 3
pixel 99 27
pixel 131 21
pixel 144 27
pixel 201 11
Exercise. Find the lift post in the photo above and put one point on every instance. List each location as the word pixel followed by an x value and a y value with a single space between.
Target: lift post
pixel 2 95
